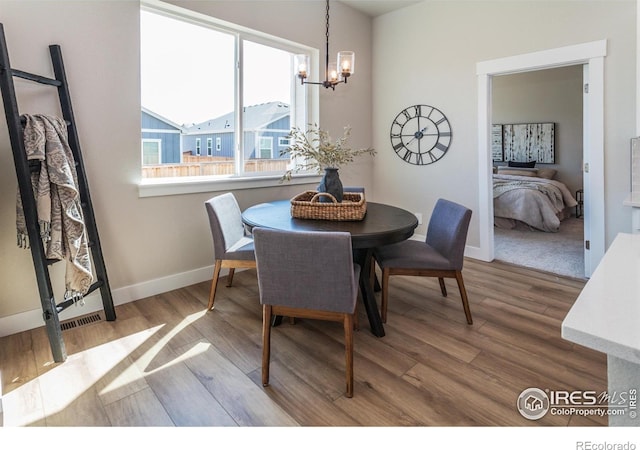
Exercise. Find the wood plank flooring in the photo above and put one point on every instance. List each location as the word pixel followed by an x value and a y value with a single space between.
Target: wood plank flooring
pixel 165 361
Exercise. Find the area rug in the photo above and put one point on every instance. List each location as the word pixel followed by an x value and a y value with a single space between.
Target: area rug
pixel 560 253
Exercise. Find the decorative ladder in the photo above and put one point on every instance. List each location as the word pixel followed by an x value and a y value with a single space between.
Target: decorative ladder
pixel 24 168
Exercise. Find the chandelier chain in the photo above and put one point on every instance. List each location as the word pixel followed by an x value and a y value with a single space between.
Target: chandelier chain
pixel 327 17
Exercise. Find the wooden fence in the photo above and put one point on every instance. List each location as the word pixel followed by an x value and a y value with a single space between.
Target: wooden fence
pixel 208 166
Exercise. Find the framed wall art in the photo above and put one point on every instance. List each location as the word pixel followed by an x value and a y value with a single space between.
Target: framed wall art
pixel 496 143
pixel 529 142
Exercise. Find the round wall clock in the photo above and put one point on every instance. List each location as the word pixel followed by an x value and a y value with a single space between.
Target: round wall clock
pixel 420 134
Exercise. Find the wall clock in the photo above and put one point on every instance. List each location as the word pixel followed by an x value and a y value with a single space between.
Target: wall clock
pixel 420 134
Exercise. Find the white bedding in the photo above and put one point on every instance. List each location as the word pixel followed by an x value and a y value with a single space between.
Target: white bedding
pixel 538 202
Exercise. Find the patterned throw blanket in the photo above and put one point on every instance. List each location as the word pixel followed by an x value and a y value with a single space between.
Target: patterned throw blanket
pixel 57 197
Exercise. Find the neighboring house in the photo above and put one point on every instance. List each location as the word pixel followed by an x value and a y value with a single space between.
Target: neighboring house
pixel 266 128
pixel 161 139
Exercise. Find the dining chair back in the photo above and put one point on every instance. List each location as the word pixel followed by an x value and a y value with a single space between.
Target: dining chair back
pixel 309 275
pixel 232 247
pixel 441 255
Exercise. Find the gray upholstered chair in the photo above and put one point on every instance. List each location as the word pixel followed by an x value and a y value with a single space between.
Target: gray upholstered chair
pixel 232 247
pixel 441 255
pixel 309 275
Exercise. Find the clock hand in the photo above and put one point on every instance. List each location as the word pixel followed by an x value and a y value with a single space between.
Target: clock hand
pixel 419 133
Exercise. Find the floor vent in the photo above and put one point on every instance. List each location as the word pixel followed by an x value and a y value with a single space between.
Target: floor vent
pixel 80 321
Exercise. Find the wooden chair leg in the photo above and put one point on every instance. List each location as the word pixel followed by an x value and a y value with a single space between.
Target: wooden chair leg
pixel 348 345
pixel 266 343
pixel 230 276
pixel 443 287
pixel 356 321
pixel 214 283
pixel 385 295
pixel 463 295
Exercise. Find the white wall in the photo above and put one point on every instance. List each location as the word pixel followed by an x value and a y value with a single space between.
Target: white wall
pixel 427 53
pixel 157 242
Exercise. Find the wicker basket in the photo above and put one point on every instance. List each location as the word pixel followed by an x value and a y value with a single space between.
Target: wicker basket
pixel 307 205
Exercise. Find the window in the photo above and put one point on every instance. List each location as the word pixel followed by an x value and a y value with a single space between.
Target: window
pixel 205 58
pixel 284 142
pixel 266 147
pixel 151 151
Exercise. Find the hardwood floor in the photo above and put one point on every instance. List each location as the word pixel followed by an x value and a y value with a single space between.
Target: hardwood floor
pixel 165 361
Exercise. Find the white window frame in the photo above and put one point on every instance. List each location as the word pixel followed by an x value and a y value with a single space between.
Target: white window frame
pixel 303 111
pixel 284 141
pixel 156 141
pixel 259 147
pixel 218 144
pixel 198 146
pixel 209 146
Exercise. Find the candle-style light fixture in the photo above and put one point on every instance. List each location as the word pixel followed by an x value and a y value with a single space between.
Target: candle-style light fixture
pixel 335 73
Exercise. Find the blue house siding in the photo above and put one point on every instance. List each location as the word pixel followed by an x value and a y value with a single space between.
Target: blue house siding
pixel 251 144
pixel 275 130
pixel 269 120
pixel 170 145
pixel 168 134
pixel 226 144
pixel 280 124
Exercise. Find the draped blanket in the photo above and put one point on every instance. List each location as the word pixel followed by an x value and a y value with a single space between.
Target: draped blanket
pixel 538 202
pixel 552 192
pixel 59 210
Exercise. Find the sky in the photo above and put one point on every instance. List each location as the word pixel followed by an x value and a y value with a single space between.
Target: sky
pixel 187 71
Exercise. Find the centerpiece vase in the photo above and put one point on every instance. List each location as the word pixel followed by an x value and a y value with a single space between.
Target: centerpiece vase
pixel 331 184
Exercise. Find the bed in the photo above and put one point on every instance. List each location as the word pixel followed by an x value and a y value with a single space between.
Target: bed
pixel 531 197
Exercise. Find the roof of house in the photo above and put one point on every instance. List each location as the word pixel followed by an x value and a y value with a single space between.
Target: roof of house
pixel 161 118
pixel 254 116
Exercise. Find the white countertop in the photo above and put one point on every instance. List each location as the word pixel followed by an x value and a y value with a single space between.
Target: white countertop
pixel 606 315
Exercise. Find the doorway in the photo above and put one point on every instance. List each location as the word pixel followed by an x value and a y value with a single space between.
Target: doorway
pixel 549 96
pixel 591 56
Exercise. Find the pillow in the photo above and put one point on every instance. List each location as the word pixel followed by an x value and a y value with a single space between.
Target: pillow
pixel 547 173
pixel 529 165
pixel 520 171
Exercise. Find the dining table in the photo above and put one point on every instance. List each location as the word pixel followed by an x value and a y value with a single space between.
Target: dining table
pixel 382 225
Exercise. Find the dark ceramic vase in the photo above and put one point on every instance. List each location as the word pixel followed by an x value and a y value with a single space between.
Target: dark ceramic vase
pixel 331 184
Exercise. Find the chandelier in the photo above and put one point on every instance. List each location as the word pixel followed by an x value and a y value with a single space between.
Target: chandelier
pixel 332 76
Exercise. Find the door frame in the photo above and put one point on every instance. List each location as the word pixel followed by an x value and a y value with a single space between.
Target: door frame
pixel 591 54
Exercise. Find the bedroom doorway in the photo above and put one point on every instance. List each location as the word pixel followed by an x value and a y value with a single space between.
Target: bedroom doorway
pixel 550 97
pixel 591 56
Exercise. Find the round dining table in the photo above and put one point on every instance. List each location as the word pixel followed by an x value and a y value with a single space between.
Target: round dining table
pixel 381 225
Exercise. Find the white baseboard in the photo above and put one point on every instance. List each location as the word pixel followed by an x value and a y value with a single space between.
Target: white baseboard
pixel 29 320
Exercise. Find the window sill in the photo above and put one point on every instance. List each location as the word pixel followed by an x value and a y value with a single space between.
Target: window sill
pixel 157 187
